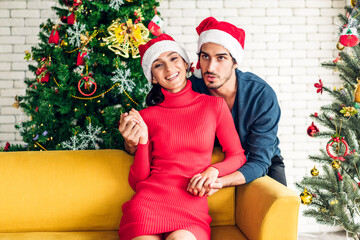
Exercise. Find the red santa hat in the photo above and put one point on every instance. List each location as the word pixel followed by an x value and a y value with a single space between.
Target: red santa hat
pixel 150 51
pixel 223 33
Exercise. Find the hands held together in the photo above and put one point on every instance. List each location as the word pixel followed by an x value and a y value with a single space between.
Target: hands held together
pixel 205 183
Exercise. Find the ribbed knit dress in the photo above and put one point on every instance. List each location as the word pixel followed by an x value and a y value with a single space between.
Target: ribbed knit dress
pixel 181 138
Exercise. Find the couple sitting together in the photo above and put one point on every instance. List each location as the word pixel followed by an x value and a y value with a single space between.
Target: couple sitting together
pixel 173 138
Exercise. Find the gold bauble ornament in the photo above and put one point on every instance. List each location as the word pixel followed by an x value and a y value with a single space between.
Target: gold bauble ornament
pixel 323 210
pixel 306 197
pixel 126 37
pixel 357 91
pixel 129 0
pixel 339 46
pixel 335 164
pixel 314 172
pixel 64 43
pixel 333 202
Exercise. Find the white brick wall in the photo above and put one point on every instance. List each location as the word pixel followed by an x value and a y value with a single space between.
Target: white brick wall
pixel 285 44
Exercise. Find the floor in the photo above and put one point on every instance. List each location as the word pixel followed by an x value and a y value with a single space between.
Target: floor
pixel 327 236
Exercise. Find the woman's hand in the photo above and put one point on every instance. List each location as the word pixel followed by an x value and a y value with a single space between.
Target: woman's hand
pixel 143 130
pixel 200 183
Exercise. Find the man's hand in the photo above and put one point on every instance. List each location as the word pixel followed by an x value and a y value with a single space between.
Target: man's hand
pixel 214 187
pixel 130 130
pixel 199 184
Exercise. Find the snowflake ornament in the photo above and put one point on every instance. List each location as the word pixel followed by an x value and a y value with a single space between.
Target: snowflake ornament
pixel 91 136
pixel 146 89
pixel 123 78
pixel 75 32
pixel 82 140
pixel 116 4
pixel 74 144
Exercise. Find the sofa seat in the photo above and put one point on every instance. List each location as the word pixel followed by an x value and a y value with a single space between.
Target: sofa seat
pixel 217 232
pixel 86 235
pixel 227 232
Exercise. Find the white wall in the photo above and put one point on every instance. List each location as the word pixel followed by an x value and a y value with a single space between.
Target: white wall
pixel 285 43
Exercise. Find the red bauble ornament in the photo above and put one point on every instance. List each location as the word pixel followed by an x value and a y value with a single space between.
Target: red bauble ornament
pixel 71 19
pixel 81 58
pixel 316 114
pixel 54 37
pixel 87 82
pixel 337 139
pixel 312 129
pixel 64 19
pixel 77 2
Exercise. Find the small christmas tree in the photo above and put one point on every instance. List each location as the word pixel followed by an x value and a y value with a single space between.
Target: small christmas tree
pixel 87 73
pixel 333 192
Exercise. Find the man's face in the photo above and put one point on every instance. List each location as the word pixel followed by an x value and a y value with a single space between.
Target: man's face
pixel 216 65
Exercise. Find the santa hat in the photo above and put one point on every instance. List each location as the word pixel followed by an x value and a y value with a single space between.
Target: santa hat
pixel 223 33
pixel 150 51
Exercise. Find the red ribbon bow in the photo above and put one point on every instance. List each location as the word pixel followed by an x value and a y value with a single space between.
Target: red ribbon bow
pixel 319 86
pixel 7 146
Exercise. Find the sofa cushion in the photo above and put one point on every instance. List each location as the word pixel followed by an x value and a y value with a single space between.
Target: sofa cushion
pixel 77 191
pixel 63 190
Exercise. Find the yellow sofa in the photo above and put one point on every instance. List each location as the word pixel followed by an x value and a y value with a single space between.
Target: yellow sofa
pixel 78 195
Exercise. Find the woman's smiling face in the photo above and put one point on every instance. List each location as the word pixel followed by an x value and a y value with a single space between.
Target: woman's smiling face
pixel 169 70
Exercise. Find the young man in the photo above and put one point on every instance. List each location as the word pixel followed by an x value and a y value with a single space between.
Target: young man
pixel 252 102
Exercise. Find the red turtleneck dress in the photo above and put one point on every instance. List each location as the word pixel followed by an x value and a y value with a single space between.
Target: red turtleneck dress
pixel 181 138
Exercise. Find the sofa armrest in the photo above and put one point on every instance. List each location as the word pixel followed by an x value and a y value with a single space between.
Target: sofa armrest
pixel 267 210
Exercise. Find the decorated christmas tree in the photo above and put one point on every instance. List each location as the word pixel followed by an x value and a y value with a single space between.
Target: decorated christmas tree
pixel 332 192
pixel 87 72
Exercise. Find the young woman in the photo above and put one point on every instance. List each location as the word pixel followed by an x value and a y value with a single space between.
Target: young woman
pixel 177 133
